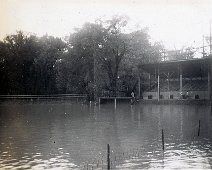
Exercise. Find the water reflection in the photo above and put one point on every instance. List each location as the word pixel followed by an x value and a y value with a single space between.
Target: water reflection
pixel 211 110
pixel 65 135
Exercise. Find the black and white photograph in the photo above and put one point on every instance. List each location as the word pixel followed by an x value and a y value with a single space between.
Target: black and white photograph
pixel 105 84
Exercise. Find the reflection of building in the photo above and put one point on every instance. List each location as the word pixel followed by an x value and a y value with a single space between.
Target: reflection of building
pixel 182 79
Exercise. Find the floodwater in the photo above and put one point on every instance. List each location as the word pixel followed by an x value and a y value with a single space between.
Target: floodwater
pixel 71 135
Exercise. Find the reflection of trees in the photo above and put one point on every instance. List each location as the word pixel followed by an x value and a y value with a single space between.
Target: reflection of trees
pixel 43 128
pixel 20 121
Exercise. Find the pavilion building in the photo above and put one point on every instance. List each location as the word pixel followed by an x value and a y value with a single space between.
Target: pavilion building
pixel 178 79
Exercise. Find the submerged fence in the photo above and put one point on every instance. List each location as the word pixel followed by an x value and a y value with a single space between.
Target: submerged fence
pixel 43 97
pixel 111 158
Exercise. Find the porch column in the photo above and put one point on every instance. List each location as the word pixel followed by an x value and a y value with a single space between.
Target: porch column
pixel 158 84
pixel 181 79
pixel 149 81
pixel 168 86
pixel 155 78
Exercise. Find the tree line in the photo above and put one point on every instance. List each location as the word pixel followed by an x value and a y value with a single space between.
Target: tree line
pixel 99 58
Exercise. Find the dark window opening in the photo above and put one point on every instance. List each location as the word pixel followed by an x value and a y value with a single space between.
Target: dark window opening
pixel 149 96
pixel 196 96
pixel 184 96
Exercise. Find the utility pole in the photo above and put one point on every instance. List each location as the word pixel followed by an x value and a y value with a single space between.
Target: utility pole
pixel 210 40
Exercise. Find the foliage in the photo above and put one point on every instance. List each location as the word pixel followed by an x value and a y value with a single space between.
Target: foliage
pixel 98 58
pixel 27 64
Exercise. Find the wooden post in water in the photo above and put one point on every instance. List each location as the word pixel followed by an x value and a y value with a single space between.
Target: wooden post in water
pixel 162 140
pixel 115 102
pixel 99 103
pixel 211 109
pixel 97 165
pixel 108 156
pixel 199 129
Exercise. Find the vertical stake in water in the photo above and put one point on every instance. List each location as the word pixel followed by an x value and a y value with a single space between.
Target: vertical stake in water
pixel 108 156
pixel 211 106
pixel 115 102
pixel 162 140
pixel 199 128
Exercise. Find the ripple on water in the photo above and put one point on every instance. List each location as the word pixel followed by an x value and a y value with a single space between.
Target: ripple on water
pixel 70 142
pixel 182 156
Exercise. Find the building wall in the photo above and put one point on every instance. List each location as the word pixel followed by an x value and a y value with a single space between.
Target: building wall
pixel 177 95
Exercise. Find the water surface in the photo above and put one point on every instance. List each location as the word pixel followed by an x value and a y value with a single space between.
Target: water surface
pixel 71 135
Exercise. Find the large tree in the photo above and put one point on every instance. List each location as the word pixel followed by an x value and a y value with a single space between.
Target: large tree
pixel 80 59
pixel 101 57
pixel 18 55
pixel 140 51
pixel 27 63
pixel 51 49
pixel 113 49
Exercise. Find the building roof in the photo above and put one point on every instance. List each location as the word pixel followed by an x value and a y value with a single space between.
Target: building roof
pixel 193 67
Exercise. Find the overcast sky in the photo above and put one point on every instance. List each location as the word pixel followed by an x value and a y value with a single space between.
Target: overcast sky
pixel 176 23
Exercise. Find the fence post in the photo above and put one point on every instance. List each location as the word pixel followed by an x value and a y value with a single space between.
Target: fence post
pixel 199 129
pixel 115 102
pixel 162 140
pixel 108 156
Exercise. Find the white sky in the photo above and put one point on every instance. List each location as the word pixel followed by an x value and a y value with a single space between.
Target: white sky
pixel 176 23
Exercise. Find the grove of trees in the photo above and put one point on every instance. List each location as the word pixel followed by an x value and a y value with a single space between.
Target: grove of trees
pixel 98 59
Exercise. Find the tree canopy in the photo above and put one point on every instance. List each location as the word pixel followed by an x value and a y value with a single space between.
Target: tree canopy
pixel 97 59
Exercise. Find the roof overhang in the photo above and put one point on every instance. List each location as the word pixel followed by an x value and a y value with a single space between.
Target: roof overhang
pixel 193 67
